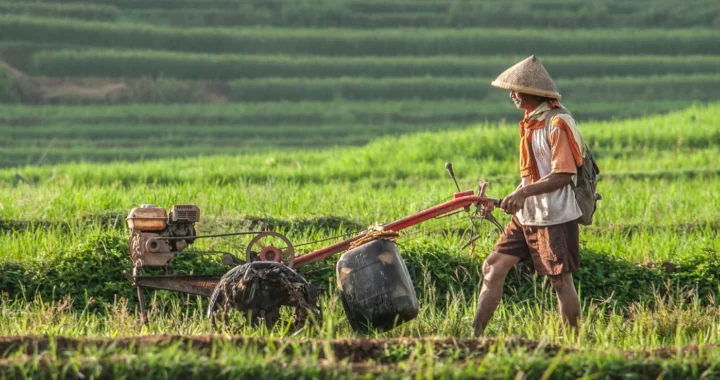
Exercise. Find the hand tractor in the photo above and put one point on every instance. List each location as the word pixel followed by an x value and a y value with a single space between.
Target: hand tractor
pixel 374 284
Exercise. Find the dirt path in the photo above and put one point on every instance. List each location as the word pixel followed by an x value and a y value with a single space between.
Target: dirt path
pixel 92 90
pixel 76 91
pixel 356 350
pixel 362 357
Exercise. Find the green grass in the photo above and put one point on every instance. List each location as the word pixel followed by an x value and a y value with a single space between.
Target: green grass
pixel 65 245
pixel 670 321
pixel 374 14
pixel 315 113
pixel 588 89
pixel 655 335
pixel 648 166
pixel 392 42
pixel 457 14
pixel 96 136
pixel 64 10
pixel 370 149
pixel 52 135
pixel 139 63
pixel 172 4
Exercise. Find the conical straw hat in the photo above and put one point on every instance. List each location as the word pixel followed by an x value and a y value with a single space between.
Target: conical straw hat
pixel 530 77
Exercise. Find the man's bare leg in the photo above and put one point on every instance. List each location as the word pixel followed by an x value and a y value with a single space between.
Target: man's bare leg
pixel 568 301
pixel 495 268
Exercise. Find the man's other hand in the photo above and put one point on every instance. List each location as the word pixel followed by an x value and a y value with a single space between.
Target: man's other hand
pixel 513 202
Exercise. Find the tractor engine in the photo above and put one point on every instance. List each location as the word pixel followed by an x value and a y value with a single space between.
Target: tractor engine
pixel 157 236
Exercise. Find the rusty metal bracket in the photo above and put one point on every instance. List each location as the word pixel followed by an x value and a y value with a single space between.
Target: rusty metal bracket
pixel 191 284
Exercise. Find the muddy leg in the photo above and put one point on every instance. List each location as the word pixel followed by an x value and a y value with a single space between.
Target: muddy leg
pixel 137 270
pixel 495 269
pixel 568 301
pixel 221 312
pixel 143 307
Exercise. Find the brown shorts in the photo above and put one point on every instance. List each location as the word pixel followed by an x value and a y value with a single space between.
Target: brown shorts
pixel 552 250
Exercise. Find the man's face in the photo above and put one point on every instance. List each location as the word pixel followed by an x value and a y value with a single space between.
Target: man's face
pixel 521 100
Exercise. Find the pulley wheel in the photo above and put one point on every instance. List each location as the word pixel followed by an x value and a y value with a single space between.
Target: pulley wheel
pixel 271 246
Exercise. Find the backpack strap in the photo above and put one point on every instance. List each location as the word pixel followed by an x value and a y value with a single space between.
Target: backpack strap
pixel 550 116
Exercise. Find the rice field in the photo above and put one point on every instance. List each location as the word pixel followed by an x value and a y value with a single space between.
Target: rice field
pixel 51 135
pixel 357 42
pixel 647 281
pixel 319 119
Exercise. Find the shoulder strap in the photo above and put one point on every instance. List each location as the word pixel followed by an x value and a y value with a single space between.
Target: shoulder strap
pixel 551 115
pixel 549 118
pixel 548 126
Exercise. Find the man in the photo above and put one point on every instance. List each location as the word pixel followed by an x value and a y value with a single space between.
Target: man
pixel 544 229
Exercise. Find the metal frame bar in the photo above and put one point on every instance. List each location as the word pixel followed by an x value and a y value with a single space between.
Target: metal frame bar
pixel 461 200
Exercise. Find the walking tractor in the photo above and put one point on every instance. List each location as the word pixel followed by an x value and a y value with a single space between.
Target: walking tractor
pixel 374 284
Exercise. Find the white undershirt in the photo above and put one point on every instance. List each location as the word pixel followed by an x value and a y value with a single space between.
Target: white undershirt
pixel 555 207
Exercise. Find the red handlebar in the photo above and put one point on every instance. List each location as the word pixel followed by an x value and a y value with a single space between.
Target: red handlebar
pixel 460 200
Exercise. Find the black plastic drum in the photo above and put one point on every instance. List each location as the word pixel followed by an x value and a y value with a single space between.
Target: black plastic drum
pixel 375 287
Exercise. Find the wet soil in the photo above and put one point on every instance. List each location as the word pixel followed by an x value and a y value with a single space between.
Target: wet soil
pixel 362 357
pixel 354 350
pixel 261 288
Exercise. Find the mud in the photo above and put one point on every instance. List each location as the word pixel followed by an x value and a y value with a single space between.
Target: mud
pixel 259 289
pixel 668 353
pixel 356 352
pixel 353 350
pixel 49 364
pixel 364 357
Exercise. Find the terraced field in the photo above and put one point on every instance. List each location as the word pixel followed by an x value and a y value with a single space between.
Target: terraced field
pixel 646 283
pixel 318 119
pixel 258 75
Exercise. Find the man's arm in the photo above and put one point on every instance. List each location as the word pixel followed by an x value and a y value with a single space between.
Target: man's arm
pixel 553 181
pixel 562 169
pixel 549 183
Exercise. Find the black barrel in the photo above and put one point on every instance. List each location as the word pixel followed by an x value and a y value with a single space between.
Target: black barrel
pixel 375 287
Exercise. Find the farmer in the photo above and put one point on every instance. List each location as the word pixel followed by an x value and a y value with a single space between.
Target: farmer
pixel 543 230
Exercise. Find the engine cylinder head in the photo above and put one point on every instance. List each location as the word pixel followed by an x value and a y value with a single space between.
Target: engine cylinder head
pixel 184 214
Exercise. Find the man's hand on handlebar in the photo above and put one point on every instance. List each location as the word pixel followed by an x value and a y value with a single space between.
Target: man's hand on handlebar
pixel 513 202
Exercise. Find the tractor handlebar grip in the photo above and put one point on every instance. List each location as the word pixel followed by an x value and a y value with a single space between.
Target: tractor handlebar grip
pixel 449 168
